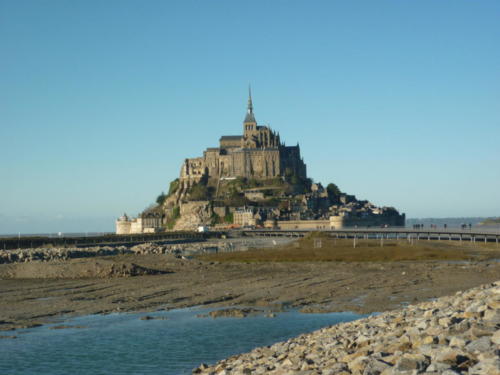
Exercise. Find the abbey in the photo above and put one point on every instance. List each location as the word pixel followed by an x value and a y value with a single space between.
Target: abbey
pixel 254 180
pixel 258 153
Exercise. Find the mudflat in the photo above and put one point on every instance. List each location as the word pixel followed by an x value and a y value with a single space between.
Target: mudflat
pixel 39 292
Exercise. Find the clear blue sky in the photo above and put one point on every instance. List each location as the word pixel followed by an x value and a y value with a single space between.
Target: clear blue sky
pixel 395 101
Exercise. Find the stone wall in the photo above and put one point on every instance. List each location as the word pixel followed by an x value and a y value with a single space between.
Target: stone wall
pixel 291 159
pixel 339 222
pixel 243 162
pixel 123 227
pixel 304 224
pixel 138 225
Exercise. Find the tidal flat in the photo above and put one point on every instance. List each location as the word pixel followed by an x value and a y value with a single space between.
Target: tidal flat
pixel 333 278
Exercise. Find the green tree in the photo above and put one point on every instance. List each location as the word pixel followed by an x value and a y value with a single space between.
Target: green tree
pixel 229 217
pixel 199 192
pixel 176 212
pixel 333 192
pixel 161 198
pixel 174 185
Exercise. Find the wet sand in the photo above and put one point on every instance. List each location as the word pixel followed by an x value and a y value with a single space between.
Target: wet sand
pixel 311 286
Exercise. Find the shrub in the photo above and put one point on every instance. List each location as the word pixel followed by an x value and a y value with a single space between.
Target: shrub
pixel 176 214
pixel 229 217
pixel 174 185
pixel 200 192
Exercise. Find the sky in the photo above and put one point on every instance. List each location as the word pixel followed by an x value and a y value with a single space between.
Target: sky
pixel 395 101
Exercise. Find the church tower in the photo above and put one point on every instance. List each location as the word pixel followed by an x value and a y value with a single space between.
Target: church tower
pixel 249 124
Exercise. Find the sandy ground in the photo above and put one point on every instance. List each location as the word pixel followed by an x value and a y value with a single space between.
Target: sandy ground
pixel 40 292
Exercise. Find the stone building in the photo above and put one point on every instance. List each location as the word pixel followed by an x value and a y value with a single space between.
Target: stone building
pixel 123 224
pixel 244 217
pixel 257 153
pixel 149 221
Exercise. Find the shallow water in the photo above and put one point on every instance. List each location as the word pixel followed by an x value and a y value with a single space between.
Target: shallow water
pixel 124 344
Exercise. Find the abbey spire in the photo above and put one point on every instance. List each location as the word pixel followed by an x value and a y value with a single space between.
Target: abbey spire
pixel 250 105
pixel 250 123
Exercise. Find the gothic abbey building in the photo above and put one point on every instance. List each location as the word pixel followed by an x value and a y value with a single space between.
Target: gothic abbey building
pixel 258 153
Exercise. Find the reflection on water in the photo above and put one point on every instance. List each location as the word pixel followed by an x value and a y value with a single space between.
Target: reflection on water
pixel 125 344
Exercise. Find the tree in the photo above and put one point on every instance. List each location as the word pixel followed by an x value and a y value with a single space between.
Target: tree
pixel 229 217
pixel 161 198
pixel 174 185
pixel 333 192
pixel 199 192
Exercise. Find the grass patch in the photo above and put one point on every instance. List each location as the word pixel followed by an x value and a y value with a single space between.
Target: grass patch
pixel 322 248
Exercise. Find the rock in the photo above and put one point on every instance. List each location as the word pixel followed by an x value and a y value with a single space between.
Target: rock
pixel 428 340
pixel 492 316
pixel 450 356
pixel 437 367
pixel 358 365
pixel 451 335
pixel 480 345
pixel 410 362
pixel 457 342
pixel 475 332
pixel 234 313
pixel 376 367
pixel 489 366
pixel 62 326
pixel 444 322
pixel 200 368
pixel 339 367
pixel 496 337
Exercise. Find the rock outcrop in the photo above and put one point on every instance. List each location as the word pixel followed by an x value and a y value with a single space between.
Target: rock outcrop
pixel 451 335
pixel 193 215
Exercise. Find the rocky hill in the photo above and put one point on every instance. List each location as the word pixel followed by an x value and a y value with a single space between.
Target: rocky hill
pixel 252 179
pixel 214 202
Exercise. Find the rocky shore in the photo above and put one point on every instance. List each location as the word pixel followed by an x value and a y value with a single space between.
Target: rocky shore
pixel 451 335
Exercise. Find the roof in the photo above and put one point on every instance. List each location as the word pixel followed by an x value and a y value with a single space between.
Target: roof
pixel 250 117
pixel 231 137
pixel 154 208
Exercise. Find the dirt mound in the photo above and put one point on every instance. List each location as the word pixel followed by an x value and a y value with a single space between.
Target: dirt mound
pixel 75 269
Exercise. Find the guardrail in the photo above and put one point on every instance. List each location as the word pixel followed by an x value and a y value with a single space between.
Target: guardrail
pixel 387 233
pixel 110 239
